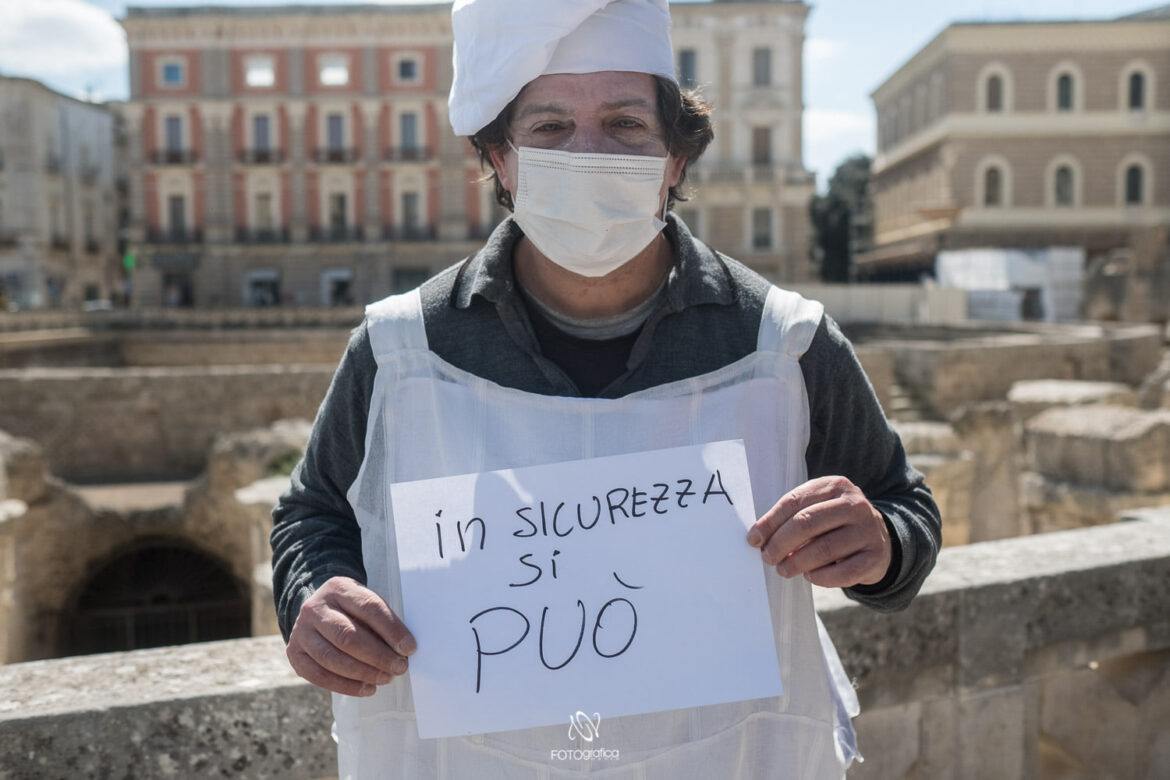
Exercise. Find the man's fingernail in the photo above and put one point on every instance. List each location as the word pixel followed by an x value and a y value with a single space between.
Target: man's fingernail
pixel 366 690
pixel 754 538
pixel 384 677
pixel 400 666
pixel 783 571
pixel 409 646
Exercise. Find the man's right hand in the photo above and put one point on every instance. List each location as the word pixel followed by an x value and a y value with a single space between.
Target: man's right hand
pixel 347 640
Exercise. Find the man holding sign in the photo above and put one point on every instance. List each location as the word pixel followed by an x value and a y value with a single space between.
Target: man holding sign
pixel 521 411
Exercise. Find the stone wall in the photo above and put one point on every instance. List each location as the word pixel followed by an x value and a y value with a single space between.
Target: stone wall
pixel 1041 657
pixel 52 539
pixel 129 424
pixel 954 368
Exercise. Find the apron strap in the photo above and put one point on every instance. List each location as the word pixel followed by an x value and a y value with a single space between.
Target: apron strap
pixel 788 323
pixel 396 324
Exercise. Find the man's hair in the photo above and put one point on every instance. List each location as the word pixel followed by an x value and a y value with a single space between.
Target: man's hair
pixel 686 127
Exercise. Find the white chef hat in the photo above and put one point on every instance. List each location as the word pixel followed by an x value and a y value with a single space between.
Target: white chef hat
pixel 501 45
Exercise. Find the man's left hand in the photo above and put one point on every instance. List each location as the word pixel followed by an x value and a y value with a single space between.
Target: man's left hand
pixel 827 530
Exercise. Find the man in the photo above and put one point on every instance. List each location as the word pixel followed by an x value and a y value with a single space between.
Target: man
pixel 592 290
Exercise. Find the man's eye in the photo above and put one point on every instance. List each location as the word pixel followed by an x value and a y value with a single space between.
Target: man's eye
pixel 547 127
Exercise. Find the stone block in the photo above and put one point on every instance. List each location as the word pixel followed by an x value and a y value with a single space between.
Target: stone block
pixel 1031 397
pixel 992 735
pixel 921 437
pixel 1113 447
pixel 23 474
pixel 888 739
pixel 1055 505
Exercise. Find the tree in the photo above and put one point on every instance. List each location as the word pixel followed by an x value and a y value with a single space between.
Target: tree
pixel 840 217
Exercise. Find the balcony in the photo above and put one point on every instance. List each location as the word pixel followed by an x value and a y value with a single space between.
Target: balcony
pixel 59 241
pixel 52 164
pixel 93 245
pixel 8 238
pixel 409 154
pixel 335 235
pixel 260 156
pixel 335 154
pixel 174 236
pixel 90 175
pixel 246 235
pixel 174 156
pixel 409 233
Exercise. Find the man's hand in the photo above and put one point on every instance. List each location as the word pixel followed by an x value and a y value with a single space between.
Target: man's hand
pixel 826 530
pixel 347 640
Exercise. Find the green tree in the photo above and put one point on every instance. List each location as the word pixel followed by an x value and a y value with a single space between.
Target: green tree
pixel 840 218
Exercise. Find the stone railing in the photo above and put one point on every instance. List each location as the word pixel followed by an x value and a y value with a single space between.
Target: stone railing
pixel 1043 656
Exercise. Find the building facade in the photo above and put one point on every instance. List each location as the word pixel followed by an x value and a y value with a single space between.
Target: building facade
pixel 1023 135
pixel 57 234
pixel 301 154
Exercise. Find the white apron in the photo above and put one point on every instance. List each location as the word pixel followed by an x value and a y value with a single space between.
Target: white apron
pixel 430 419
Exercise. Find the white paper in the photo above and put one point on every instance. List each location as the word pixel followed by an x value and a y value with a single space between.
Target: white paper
pixel 687 621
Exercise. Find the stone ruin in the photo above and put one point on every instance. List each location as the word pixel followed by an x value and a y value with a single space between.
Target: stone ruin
pixel 60 548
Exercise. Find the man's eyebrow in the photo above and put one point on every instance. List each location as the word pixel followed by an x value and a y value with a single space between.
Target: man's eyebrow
pixel 542 108
pixel 626 103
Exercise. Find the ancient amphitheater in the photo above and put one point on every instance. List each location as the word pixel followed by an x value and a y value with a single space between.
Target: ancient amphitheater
pixel 140 453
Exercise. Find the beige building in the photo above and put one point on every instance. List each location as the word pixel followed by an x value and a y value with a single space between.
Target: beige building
pixel 302 154
pixel 57 235
pixel 1023 134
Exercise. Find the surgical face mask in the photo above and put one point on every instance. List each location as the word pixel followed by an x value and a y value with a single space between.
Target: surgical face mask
pixel 588 213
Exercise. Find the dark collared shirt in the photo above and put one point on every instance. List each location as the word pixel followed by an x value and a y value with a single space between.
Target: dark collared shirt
pixel 475 318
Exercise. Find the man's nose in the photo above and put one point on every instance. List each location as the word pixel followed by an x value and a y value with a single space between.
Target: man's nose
pixel 589 139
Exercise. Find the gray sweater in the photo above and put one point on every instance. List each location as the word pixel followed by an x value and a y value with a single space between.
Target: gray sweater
pixel 475 319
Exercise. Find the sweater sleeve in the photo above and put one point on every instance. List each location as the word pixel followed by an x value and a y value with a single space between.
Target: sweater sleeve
pixel 315 535
pixel 850 437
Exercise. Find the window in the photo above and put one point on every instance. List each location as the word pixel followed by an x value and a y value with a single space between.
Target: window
pixel 687 68
pixel 335 131
pixel 333 70
pixel 337 215
pixel 410 212
pixel 259 71
pixel 172 74
pixel 761 67
pixel 174 133
pixel 407 69
pixel 761 146
pixel 90 224
pixel 761 228
pixel 177 211
pixel 1133 185
pixel 408 128
pixel 1063 192
pixel 992 187
pixel 263 211
pixel 1064 93
pixel 995 94
pixel 261 140
pixel 1137 91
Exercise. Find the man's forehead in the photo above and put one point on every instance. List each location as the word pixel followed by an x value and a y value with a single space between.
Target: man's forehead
pixel 571 92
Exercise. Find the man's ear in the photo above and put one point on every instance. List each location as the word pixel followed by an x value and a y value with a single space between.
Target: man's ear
pixel 500 158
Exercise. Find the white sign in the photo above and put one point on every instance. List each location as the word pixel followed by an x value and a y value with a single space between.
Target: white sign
pixel 620 585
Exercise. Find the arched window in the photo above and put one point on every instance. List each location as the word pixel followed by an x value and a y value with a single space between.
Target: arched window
pixel 1137 91
pixel 992 187
pixel 1133 185
pixel 1064 92
pixel 1063 191
pixel 995 94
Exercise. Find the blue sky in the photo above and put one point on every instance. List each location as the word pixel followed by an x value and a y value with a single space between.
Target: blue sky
pixel 851 47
